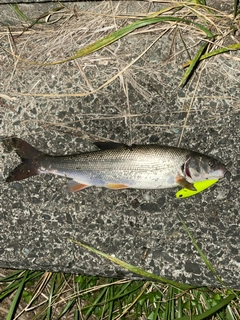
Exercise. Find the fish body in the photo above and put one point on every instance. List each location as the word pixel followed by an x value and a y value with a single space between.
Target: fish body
pixel 118 166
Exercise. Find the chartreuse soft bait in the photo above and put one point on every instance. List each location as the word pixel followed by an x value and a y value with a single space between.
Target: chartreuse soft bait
pixel 199 186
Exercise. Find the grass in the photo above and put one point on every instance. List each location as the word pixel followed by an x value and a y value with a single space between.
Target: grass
pixel 45 295
pixel 210 25
pixel 65 296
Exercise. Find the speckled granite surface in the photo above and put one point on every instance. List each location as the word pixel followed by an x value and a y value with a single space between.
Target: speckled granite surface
pixel 142 227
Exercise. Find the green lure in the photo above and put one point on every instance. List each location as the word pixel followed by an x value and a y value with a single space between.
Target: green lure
pixel 200 186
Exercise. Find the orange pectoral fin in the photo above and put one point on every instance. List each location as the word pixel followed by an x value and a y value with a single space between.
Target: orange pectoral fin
pixel 116 186
pixel 184 183
pixel 74 186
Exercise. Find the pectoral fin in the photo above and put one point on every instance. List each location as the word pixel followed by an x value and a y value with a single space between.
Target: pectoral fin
pixel 74 186
pixel 184 183
pixel 116 186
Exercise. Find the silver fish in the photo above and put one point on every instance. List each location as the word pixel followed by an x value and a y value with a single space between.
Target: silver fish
pixel 118 166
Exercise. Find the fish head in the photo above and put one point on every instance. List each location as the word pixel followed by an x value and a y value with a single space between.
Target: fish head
pixel 200 167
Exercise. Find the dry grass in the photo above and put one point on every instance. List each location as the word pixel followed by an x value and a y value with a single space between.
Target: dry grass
pixel 67 31
pixel 39 50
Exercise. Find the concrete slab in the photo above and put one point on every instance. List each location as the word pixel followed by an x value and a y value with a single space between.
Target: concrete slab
pixel 143 105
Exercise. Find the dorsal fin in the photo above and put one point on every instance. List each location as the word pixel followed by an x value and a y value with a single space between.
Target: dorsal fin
pixel 109 145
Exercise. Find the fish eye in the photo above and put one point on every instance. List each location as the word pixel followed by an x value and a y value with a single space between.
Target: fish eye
pixel 212 163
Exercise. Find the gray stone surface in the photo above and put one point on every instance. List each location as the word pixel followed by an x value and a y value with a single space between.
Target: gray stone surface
pixel 143 105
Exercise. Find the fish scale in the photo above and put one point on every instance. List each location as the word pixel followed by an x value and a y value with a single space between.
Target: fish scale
pixel 137 158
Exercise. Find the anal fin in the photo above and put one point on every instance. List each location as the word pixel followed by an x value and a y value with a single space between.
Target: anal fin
pixel 74 186
pixel 116 186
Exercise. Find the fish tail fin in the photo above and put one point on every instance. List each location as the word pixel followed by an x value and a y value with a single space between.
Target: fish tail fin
pixel 28 155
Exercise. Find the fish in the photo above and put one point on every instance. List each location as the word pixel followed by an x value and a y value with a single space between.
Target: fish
pixel 119 166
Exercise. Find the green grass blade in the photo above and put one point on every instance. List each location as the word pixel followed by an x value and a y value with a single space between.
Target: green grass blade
pixel 99 44
pixel 111 303
pixel 193 64
pixel 180 306
pixel 123 290
pixel 11 276
pixel 235 7
pixel 50 297
pixel 176 8
pixel 135 269
pixel 25 18
pixel 123 32
pixel 204 258
pixel 17 296
pixel 16 279
pixel 125 293
pixel 229 313
pixel 103 42
pixel 19 12
pixel 76 313
pixel 115 294
pixel 155 314
pixel 184 44
pixel 207 314
pixel 231 47
pixel 96 302
pixel 67 307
